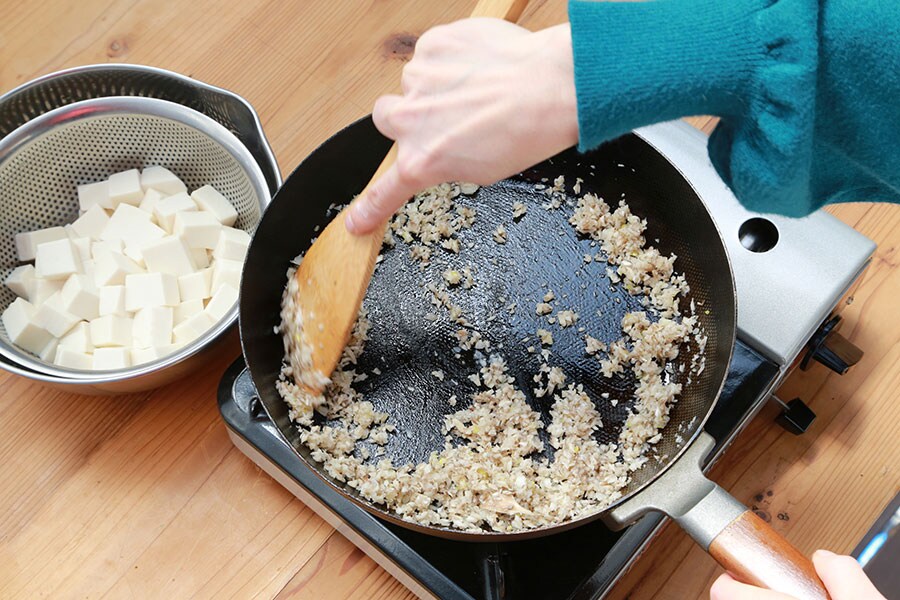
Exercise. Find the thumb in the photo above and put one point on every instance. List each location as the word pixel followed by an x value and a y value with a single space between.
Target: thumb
pixel 378 202
pixel 843 577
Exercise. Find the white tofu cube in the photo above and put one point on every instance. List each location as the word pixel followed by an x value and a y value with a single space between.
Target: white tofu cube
pixel 168 207
pixel 148 204
pixel 49 351
pixel 150 289
pixel 112 300
pixel 100 247
pixel 198 229
pixel 106 359
pixel 153 327
pixel 221 303
pixel 51 315
pixel 111 330
pixel 80 297
pixel 133 251
pixel 111 269
pixel 168 255
pixel 41 289
pixel 207 198
pixel 162 179
pixel 78 339
pixel 73 359
pixel 125 188
pixel 232 244
pixel 28 241
pixel 144 355
pixel 57 260
pixel 187 309
pixel 226 272
pixel 21 280
pixel 192 328
pixel 94 194
pixel 195 286
pixel 200 258
pixel 18 319
pixel 131 225
pixel 83 245
pixel 92 223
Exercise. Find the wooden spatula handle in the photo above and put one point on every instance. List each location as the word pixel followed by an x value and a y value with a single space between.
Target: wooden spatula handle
pixel 754 553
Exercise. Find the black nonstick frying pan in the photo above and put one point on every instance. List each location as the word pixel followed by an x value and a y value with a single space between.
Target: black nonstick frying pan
pixel 542 252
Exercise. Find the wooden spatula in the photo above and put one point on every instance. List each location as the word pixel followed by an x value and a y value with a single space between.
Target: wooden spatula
pixel 334 274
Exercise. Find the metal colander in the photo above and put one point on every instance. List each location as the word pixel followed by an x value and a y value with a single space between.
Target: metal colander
pixel 42 162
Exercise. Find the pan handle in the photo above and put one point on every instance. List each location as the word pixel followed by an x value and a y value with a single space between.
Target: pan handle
pixel 742 543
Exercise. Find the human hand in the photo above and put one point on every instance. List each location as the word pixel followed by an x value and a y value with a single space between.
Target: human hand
pixel 482 99
pixel 843 578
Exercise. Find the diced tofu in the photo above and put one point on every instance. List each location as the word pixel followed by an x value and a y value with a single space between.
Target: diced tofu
pixel 162 179
pixel 112 300
pixel 83 245
pixel 195 286
pixel 92 223
pixel 51 315
pixel 148 204
pixel 18 319
pixel 78 339
pixel 168 255
pixel 73 359
pixel 192 328
pixel 207 198
pixel 98 248
pixel 153 326
pixel 57 260
pixel 111 330
pixel 111 358
pixel 221 303
pixel 131 225
pixel 168 207
pixel 200 258
pixel 226 272
pixel 145 355
pixel 112 268
pixel 188 309
pixel 21 280
pixel 28 241
pixel 150 289
pixel 198 229
pixel 49 351
pixel 41 289
pixel 125 188
pixel 94 194
pixel 80 297
pixel 87 267
pixel 133 251
pixel 232 244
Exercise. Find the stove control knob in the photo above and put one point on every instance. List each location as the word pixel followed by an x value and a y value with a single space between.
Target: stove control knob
pixel 831 348
pixel 795 416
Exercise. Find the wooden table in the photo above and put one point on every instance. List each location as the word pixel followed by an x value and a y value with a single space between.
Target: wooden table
pixel 144 495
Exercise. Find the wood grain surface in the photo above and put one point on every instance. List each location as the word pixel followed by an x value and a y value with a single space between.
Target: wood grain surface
pixel 144 496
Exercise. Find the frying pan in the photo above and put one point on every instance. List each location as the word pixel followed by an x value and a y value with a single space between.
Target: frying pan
pixel 542 252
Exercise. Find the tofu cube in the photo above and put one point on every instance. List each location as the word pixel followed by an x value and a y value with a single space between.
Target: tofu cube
pixel 92 223
pixel 106 359
pixel 168 255
pixel 198 229
pixel 73 359
pixel 131 225
pixel 150 289
pixel 49 351
pixel 195 286
pixel 232 244
pixel 133 251
pixel 192 328
pixel 148 204
pixel 161 179
pixel 98 248
pixel 112 300
pixel 23 331
pixel 41 289
pixel 125 188
pixel 200 258
pixel 57 260
pixel 51 315
pixel 153 327
pixel 221 303
pixel 78 339
pixel 94 194
pixel 144 355
pixel 207 198
pixel 28 241
pixel 112 268
pixel 111 330
pixel 168 207
pixel 226 272
pixel 187 309
pixel 80 297
pixel 21 280
pixel 83 245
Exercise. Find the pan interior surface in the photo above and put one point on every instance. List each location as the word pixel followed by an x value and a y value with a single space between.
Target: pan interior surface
pixel 542 253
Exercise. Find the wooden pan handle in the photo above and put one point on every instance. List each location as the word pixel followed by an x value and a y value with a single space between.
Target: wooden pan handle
pixel 508 10
pixel 754 553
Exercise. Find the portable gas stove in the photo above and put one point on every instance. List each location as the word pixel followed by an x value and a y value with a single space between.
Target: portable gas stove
pixel 791 277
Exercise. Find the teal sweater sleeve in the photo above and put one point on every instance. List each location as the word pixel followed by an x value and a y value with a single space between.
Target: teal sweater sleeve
pixel 808 91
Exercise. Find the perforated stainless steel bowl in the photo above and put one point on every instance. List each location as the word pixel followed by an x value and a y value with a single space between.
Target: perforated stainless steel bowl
pixel 45 157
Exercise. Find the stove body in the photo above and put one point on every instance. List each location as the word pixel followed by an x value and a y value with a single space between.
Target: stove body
pixel 791 278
